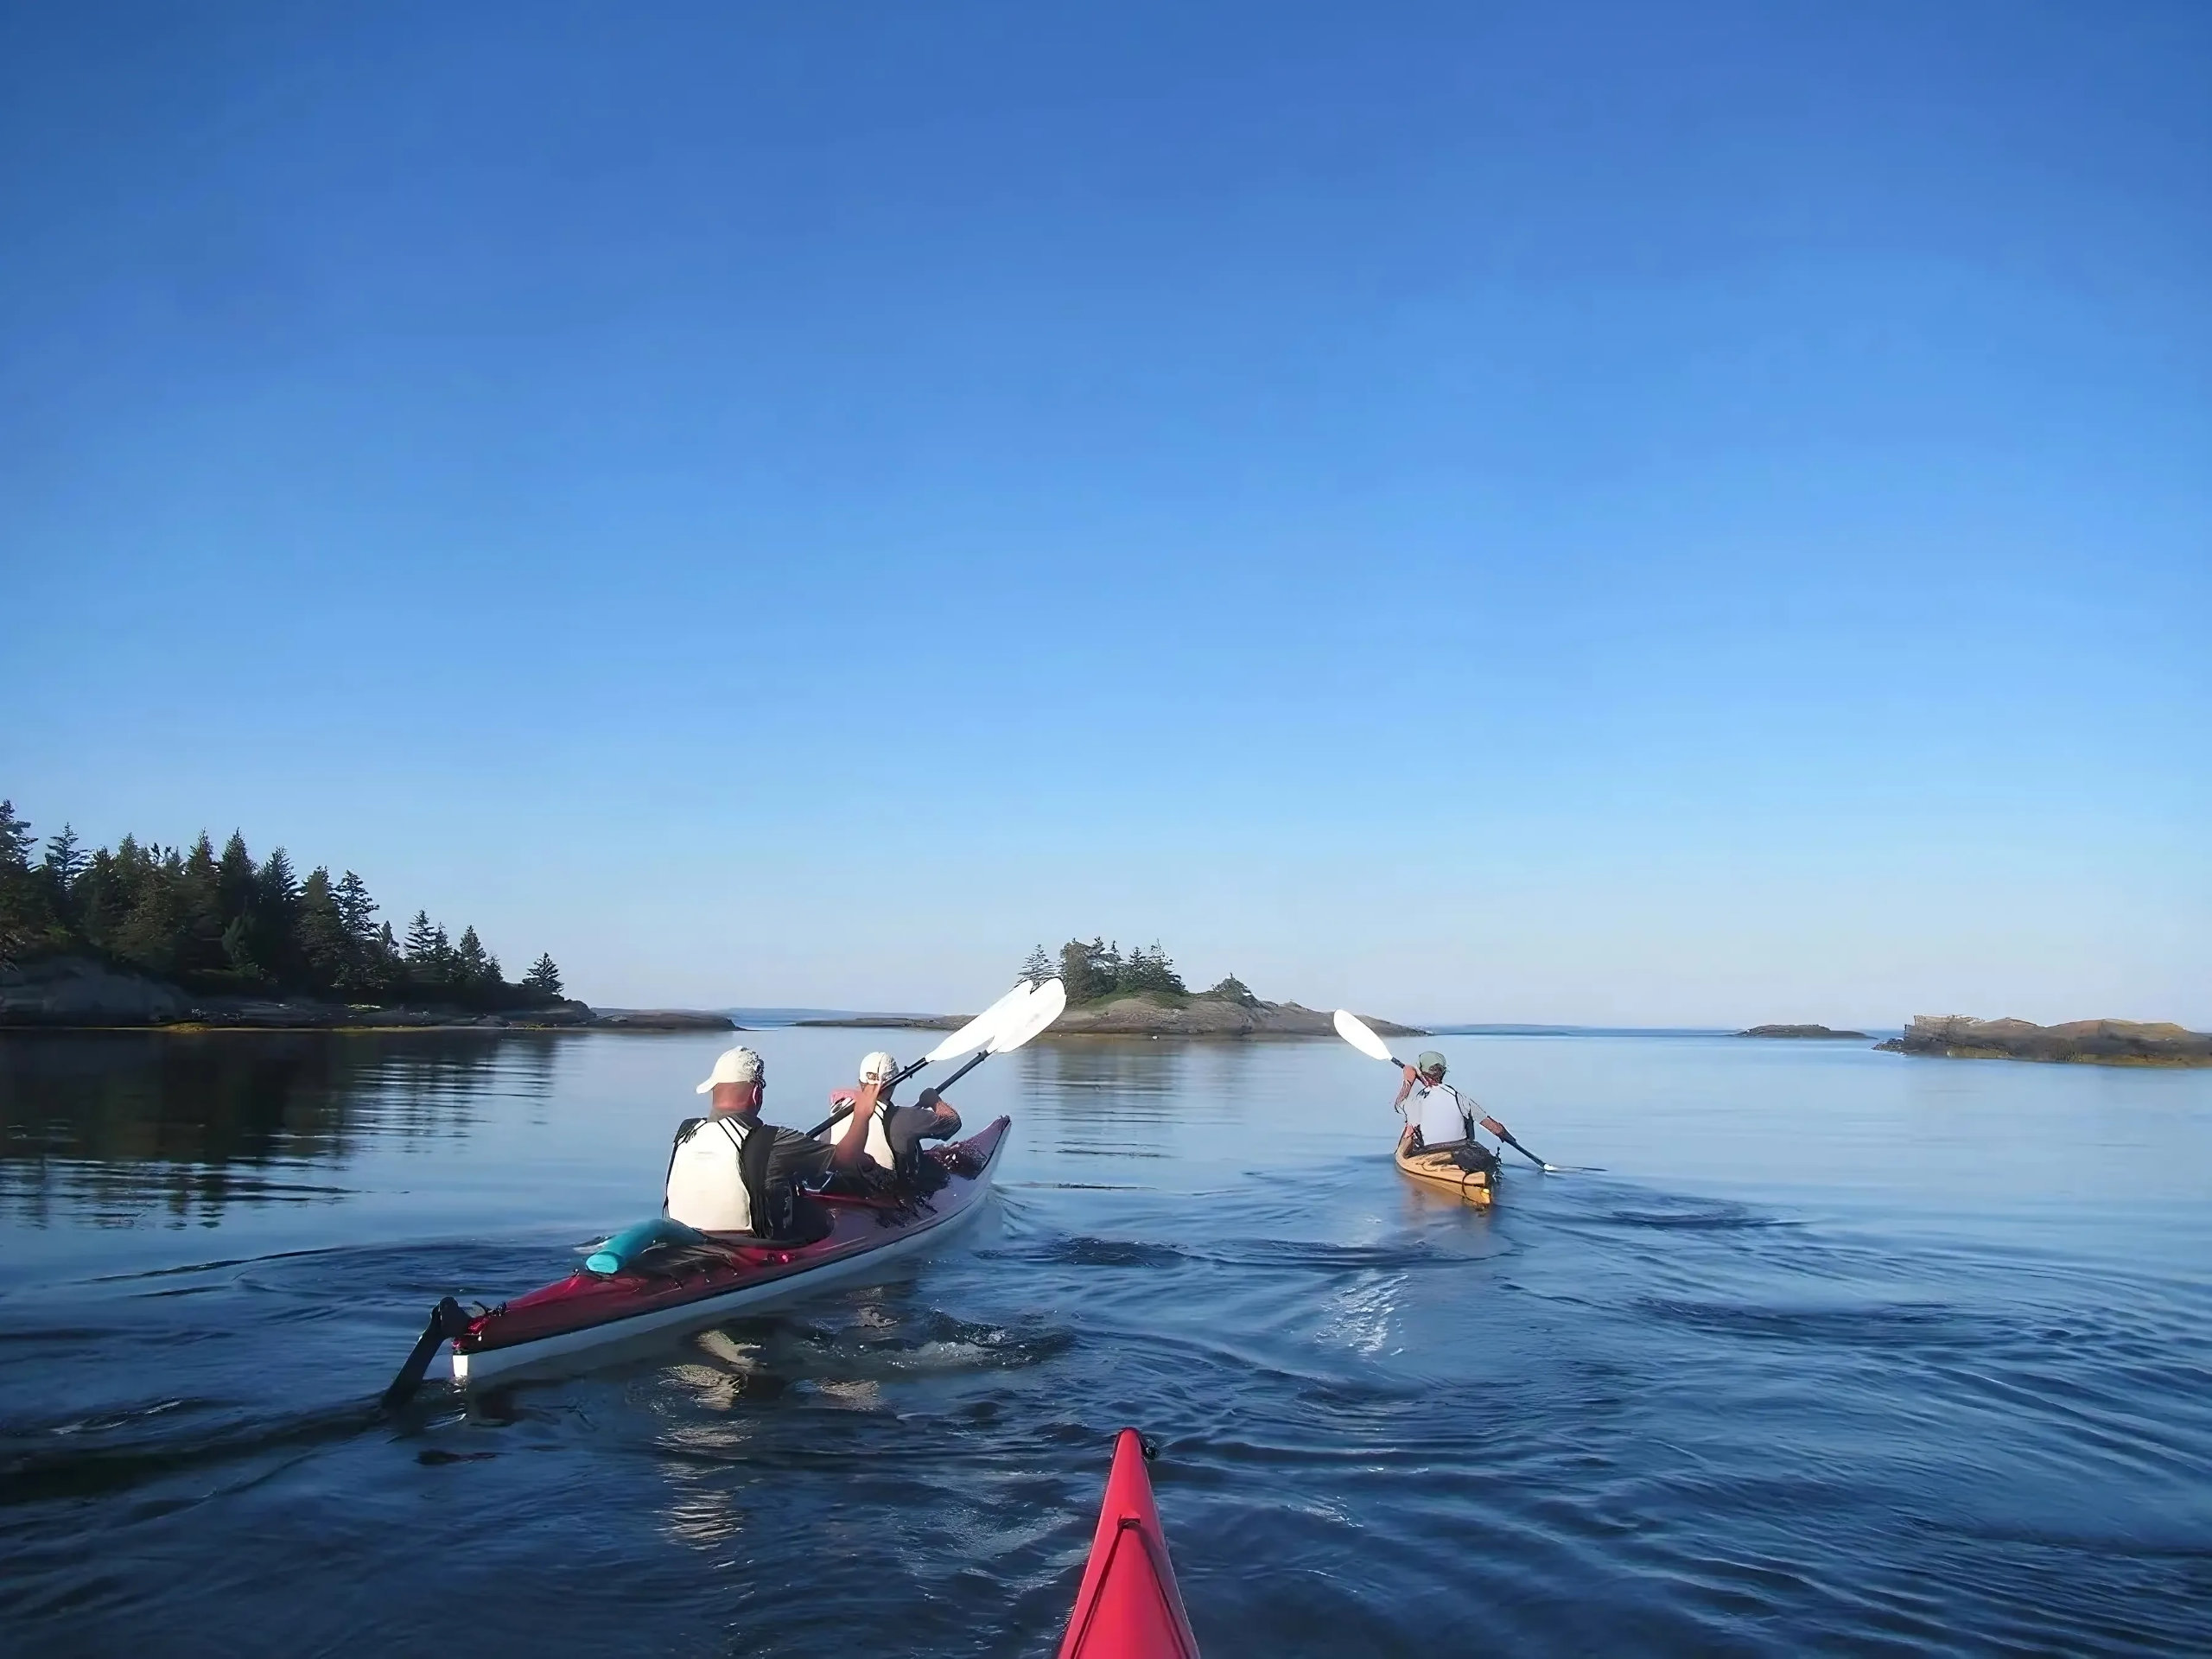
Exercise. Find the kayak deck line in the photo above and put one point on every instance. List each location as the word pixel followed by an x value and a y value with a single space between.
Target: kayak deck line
pixel 1436 1169
pixel 1129 1606
pixel 552 1328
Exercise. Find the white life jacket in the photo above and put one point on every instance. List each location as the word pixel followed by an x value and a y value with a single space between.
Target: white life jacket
pixel 706 1182
pixel 1441 1115
pixel 879 1144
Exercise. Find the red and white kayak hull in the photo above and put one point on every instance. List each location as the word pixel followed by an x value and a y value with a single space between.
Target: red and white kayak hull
pixel 586 1318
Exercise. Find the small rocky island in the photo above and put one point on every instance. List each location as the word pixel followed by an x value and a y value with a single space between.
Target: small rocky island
pixel 1805 1033
pixel 1141 994
pixel 2084 1042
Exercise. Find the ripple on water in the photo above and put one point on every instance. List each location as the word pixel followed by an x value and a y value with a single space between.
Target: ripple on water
pixel 1614 1414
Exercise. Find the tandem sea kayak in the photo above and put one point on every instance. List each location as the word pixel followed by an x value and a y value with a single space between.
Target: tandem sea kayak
pixel 1128 1606
pixel 591 1317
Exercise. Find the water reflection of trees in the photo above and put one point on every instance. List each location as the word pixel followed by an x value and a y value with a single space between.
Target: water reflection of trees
pixel 1128 1096
pixel 104 1127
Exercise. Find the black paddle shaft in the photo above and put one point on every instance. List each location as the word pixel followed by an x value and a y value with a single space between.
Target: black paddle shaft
pixel 1506 1135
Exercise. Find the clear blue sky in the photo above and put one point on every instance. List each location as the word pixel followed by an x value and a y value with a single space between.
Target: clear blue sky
pixel 1642 513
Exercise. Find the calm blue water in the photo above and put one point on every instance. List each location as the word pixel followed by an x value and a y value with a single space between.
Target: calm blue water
pixel 1844 1351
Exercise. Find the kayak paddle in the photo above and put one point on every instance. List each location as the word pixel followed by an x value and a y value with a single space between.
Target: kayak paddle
pixel 1357 1031
pixel 1044 1005
pixel 1014 1006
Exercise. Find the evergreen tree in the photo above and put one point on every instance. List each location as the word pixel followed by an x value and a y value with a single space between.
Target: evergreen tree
pixel 199 904
pixel 356 909
pixel 150 933
pixel 274 884
pixel 101 897
pixel 369 959
pixel 543 979
pixel 25 916
pixel 1151 970
pixel 200 914
pixel 425 953
pixel 15 839
pixel 65 862
pixel 234 880
pixel 1233 989
pixel 275 912
pixel 324 948
pixel 1038 967
pixel 471 968
pixel 1077 972
pixel 1100 969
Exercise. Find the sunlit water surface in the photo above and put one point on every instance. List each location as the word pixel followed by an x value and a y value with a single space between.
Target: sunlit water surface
pixel 1843 1352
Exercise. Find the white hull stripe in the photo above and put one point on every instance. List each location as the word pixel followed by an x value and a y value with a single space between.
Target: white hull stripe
pixel 474 1370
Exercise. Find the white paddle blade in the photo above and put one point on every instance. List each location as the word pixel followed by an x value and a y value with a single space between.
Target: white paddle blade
pixel 1045 1007
pixel 1353 1030
pixel 984 1026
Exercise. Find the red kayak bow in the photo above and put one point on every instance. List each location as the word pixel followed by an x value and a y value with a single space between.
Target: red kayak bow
pixel 1128 1608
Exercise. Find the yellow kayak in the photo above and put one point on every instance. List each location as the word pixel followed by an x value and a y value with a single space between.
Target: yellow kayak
pixel 1438 1169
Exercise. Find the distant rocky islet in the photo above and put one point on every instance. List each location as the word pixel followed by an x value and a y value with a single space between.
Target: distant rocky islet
pixel 1802 1034
pixel 2081 1042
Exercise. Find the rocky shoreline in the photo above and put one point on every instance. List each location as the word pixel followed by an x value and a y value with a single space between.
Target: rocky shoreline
pixel 2080 1042
pixel 1148 1015
pixel 72 993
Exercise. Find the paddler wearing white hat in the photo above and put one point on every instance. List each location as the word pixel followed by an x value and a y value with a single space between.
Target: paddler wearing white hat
pixel 886 1136
pixel 716 1185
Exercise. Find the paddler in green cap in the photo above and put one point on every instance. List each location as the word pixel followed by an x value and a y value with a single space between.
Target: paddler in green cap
pixel 1435 1116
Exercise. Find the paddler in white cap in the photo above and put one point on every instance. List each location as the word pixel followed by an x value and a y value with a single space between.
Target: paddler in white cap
pixel 729 1173
pixel 881 1134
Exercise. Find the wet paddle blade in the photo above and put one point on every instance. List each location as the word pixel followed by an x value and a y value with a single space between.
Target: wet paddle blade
pixel 1046 1005
pixel 984 1026
pixel 1354 1030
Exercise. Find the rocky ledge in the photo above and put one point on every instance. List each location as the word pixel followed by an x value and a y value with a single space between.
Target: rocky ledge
pixel 1805 1033
pixel 65 992
pixel 2092 1042
pixel 1142 1015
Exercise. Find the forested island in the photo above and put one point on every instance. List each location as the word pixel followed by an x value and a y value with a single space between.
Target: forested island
pixel 1140 994
pixel 2085 1042
pixel 145 934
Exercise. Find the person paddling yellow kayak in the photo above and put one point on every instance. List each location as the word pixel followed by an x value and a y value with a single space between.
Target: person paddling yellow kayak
pixel 1438 1146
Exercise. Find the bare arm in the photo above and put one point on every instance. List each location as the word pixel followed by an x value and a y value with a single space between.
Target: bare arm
pixel 852 1149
